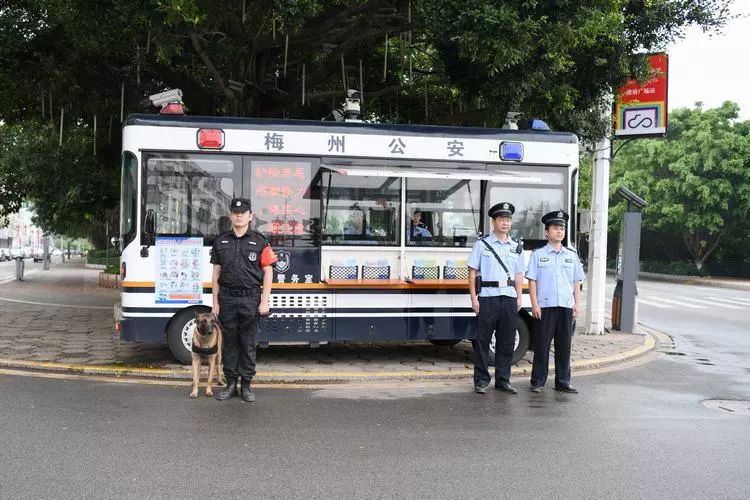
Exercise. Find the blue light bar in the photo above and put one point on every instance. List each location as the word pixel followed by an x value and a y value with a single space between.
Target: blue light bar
pixel 511 151
pixel 537 124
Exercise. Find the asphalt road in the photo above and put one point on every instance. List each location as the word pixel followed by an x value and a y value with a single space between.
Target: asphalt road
pixel 710 325
pixel 636 433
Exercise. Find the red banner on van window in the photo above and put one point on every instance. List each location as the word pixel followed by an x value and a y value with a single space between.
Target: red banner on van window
pixel 279 205
pixel 641 109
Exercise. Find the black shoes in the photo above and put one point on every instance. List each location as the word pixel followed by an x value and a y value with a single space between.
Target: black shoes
pixel 566 388
pixel 506 387
pixel 536 389
pixel 248 396
pixel 481 389
pixel 229 391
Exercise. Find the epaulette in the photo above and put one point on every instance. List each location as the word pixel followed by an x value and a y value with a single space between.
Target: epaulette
pixel 261 235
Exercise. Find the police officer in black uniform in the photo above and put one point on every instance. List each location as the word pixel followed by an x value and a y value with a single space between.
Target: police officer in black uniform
pixel 243 261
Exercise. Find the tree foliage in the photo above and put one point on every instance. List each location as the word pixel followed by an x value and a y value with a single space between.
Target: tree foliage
pixel 422 61
pixel 696 181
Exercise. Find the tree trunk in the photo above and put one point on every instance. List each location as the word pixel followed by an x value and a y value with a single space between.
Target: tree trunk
pixel 699 254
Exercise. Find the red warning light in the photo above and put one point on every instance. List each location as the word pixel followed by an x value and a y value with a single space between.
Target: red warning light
pixel 209 138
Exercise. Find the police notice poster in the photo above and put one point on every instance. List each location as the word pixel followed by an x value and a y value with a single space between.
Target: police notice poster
pixel 179 270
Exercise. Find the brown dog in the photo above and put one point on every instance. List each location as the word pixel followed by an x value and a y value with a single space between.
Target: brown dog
pixel 206 342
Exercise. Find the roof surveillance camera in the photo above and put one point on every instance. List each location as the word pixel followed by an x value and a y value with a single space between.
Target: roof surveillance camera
pixel 631 197
pixel 352 105
pixel 163 98
pixel 511 120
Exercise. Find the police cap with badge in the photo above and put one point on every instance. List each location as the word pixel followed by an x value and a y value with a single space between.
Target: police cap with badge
pixel 556 218
pixel 503 209
pixel 240 205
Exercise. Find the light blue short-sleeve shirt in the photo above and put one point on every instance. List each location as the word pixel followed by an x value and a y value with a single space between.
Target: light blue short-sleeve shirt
pixel 555 274
pixel 485 263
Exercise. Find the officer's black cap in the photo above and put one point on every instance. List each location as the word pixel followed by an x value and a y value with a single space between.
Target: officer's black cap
pixel 502 209
pixel 240 205
pixel 557 218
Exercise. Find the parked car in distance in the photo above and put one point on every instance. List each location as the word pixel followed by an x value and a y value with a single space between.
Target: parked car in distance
pixel 38 255
pixel 4 254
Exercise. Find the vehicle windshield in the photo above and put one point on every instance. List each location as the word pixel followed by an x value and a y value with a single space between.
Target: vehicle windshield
pixel 190 193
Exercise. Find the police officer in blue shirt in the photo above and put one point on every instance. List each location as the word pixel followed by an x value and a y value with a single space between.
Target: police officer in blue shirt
pixel 555 275
pixel 418 228
pixel 496 298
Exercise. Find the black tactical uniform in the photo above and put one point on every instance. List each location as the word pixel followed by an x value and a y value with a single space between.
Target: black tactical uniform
pixel 242 260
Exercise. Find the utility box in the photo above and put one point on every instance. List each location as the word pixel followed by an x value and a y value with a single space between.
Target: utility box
pixel 625 297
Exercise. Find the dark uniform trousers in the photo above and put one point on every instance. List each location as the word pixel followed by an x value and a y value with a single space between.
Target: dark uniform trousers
pixel 498 314
pixel 239 320
pixel 556 323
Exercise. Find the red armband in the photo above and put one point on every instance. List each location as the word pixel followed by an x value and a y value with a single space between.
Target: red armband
pixel 267 257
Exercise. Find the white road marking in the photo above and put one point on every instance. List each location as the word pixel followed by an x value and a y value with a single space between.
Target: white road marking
pixel 54 305
pixel 646 302
pixel 733 300
pixel 726 303
pixel 678 303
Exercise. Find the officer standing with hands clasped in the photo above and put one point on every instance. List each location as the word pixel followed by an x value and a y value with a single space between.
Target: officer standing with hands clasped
pixel 555 274
pixel 242 260
pixel 495 281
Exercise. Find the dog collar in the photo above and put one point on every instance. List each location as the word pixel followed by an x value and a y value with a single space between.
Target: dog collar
pixel 205 351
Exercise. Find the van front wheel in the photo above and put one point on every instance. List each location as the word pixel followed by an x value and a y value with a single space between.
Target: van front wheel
pixel 520 347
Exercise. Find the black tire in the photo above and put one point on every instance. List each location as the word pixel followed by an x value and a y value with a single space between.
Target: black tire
pixel 523 337
pixel 180 331
pixel 445 342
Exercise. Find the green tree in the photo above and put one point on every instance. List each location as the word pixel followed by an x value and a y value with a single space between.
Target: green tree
pixel 696 181
pixel 426 61
pixel 72 192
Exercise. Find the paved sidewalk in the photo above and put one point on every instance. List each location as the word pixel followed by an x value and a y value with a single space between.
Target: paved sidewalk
pixel 61 320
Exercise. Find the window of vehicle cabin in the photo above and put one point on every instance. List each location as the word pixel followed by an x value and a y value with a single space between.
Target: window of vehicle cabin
pixel 190 193
pixel 283 209
pixel 533 193
pixel 358 210
pixel 442 212
pixel 128 193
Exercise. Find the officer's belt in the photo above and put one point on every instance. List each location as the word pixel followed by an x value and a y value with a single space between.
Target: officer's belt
pixel 236 292
pixel 496 284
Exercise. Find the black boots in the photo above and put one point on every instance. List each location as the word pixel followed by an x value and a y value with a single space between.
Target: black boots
pixel 229 391
pixel 248 396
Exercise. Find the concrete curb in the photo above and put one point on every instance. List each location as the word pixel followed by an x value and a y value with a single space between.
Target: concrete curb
pixel 270 377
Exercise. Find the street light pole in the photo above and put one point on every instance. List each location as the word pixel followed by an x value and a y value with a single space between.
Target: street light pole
pixel 598 241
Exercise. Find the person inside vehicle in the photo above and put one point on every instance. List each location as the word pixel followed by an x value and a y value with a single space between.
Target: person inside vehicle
pixel 418 230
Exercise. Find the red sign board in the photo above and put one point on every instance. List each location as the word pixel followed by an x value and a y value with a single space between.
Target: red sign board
pixel 641 109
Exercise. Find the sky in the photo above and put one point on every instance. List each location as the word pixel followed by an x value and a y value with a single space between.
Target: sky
pixel 712 69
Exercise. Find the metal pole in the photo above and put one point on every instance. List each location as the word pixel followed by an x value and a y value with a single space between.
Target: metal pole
pixel 598 240
pixel 630 258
